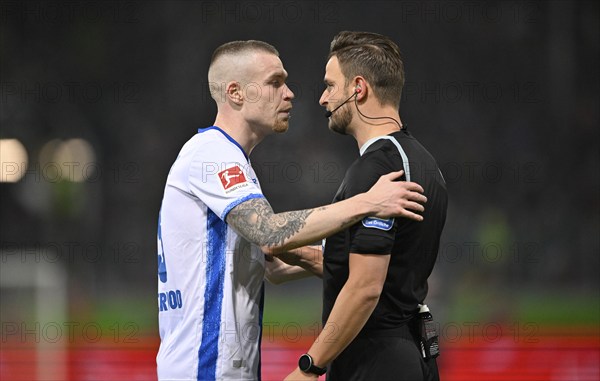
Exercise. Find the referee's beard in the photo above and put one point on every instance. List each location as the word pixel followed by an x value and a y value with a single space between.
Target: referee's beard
pixel 340 119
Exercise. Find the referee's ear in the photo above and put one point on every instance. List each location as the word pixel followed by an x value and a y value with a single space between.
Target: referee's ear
pixel 361 87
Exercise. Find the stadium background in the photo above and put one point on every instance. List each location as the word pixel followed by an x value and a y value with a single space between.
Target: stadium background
pixel 97 98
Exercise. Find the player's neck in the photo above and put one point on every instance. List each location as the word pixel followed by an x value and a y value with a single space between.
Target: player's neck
pixel 239 131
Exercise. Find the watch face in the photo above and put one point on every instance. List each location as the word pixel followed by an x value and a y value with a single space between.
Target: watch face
pixel 304 363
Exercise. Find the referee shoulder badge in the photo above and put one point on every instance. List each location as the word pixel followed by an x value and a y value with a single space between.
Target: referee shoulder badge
pixel 378 223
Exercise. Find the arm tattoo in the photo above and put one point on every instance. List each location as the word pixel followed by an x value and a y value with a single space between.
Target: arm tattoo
pixel 256 221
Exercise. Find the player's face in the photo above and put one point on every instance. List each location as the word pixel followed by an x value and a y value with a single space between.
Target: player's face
pixel 335 94
pixel 268 100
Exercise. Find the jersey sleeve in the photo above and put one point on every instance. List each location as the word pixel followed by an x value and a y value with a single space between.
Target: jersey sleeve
pixel 221 176
pixel 371 235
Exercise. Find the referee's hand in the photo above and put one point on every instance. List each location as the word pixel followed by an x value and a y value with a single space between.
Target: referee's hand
pixel 392 198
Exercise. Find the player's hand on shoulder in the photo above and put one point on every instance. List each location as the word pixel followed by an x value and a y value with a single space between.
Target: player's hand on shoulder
pixel 397 198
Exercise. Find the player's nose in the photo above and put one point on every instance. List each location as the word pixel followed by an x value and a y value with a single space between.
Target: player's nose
pixel 288 94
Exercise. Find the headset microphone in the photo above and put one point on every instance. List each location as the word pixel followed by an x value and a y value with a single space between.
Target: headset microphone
pixel 357 90
pixel 329 113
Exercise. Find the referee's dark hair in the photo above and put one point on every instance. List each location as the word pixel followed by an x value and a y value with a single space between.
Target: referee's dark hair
pixel 376 58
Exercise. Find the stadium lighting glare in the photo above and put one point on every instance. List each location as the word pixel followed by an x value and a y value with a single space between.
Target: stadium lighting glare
pixel 71 160
pixel 13 160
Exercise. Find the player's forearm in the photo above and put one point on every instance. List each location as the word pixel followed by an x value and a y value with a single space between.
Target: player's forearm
pixel 309 258
pixel 321 223
pixel 277 233
pixel 277 272
pixel 350 313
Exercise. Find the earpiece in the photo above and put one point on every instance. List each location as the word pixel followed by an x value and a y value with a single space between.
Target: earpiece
pixel 357 89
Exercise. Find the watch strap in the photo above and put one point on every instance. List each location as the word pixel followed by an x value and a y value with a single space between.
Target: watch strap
pixel 312 368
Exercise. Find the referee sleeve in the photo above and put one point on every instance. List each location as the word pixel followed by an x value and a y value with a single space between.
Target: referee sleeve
pixel 371 235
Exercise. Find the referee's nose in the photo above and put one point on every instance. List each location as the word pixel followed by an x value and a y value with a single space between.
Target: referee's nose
pixel 322 101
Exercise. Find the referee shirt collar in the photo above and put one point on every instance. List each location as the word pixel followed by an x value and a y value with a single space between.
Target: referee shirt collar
pixel 368 143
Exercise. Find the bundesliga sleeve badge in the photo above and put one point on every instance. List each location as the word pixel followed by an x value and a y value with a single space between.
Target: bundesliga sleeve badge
pixel 232 179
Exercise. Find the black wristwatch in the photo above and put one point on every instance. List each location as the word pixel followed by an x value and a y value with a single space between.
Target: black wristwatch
pixel 307 365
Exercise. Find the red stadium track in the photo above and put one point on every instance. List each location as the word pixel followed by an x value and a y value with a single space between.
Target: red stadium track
pixel 562 356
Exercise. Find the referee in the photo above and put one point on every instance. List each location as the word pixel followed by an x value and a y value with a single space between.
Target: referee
pixel 375 272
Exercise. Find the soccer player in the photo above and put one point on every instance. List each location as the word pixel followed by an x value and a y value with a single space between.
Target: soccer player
pixel 375 271
pixel 214 221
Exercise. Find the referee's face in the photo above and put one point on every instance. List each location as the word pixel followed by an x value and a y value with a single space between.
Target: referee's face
pixel 268 100
pixel 335 95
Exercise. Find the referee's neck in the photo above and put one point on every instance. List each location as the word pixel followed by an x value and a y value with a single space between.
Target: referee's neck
pixel 366 132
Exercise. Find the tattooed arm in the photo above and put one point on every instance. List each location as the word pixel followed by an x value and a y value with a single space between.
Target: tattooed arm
pixel 277 233
pixel 256 221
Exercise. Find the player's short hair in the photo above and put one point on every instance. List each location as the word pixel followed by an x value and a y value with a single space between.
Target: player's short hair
pixel 376 58
pixel 237 47
pixel 232 51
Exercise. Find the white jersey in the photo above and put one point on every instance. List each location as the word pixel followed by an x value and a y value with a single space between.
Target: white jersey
pixel 210 279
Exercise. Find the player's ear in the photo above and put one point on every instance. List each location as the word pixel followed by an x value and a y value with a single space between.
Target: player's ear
pixel 233 92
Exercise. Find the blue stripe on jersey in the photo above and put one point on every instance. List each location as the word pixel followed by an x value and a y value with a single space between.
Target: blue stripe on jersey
pixel 162 262
pixel 239 201
pixel 226 135
pixel 213 296
pixel 261 308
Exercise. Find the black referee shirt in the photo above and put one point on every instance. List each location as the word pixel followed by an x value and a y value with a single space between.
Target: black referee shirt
pixel 413 245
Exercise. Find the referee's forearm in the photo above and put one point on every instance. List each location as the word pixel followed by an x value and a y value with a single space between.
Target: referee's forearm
pixel 350 313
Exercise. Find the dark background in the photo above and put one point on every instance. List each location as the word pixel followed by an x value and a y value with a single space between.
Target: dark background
pixel 504 95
